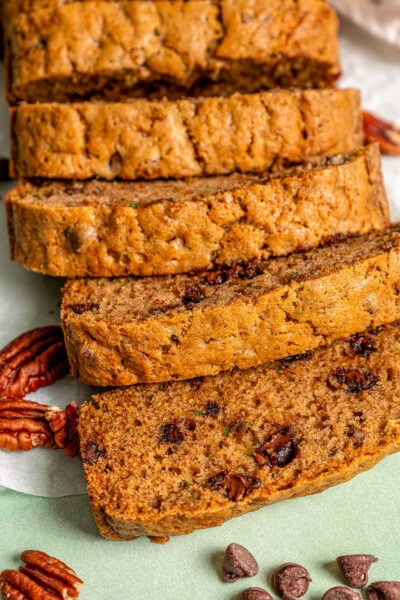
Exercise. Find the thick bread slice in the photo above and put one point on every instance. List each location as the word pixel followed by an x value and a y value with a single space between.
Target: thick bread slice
pixel 104 229
pixel 124 331
pixel 167 459
pixel 166 48
pixel 183 138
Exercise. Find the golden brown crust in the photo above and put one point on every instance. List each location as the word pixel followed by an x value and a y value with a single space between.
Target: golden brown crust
pixel 60 51
pixel 125 330
pixel 183 138
pixel 103 229
pixel 168 459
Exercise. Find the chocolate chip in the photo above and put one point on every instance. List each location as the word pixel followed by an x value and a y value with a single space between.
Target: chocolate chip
pixel 211 409
pixel 383 590
pixel 254 593
pixel 341 593
pixel 362 345
pixel 354 568
pixel 278 449
pixel 238 563
pixel 91 453
pixel 171 434
pixel 295 358
pixel 216 277
pixel 352 380
pixel 245 269
pixel 192 295
pixel 79 309
pixel 233 485
pixel 291 580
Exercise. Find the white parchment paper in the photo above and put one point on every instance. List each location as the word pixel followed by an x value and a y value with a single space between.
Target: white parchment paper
pixel 29 300
pixel 379 17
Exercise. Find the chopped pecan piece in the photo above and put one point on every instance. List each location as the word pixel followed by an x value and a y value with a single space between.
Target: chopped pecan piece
pixel 43 578
pixel 386 134
pixel 34 359
pixel 64 427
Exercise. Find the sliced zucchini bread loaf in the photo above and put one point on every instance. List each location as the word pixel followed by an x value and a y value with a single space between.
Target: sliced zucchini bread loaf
pixel 183 138
pixel 58 51
pixel 104 229
pixel 126 330
pixel 166 459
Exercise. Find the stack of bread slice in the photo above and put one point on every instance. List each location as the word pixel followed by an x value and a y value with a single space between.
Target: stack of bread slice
pixel 190 169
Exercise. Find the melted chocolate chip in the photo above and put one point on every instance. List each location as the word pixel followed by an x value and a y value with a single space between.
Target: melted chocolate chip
pixel 238 563
pixel 352 380
pixel 362 345
pixel 216 277
pixel 354 568
pixel 245 270
pixel 91 453
pixel 295 357
pixel 171 434
pixel 211 409
pixel 192 295
pixel 278 449
pixel 79 309
pixel 234 486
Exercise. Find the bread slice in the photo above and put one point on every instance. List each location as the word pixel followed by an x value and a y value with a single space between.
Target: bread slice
pixel 104 229
pixel 183 138
pixel 167 459
pixel 125 330
pixel 76 49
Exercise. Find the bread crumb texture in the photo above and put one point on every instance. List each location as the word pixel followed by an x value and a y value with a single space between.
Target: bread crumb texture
pixel 104 229
pixel 67 50
pixel 141 139
pixel 124 331
pixel 167 459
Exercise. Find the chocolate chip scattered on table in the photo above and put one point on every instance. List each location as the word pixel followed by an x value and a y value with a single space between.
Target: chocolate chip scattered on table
pixel 291 580
pixel 254 593
pixel 340 592
pixel 238 563
pixel 354 568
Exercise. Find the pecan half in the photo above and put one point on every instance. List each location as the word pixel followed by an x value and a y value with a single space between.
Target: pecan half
pixel 25 425
pixel 43 578
pixel 34 359
pixel 386 134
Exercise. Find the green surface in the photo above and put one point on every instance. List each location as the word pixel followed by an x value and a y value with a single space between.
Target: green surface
pixel 362 515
